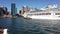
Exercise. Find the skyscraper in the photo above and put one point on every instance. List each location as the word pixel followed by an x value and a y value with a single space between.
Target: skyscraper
pixel 13 9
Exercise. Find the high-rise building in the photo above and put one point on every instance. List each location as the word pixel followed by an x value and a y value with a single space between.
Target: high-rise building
pixel 13 9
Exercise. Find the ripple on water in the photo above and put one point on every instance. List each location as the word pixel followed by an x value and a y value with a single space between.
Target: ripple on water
pixel 24 26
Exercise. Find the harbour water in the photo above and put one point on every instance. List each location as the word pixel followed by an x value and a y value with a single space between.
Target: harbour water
pixel 30 26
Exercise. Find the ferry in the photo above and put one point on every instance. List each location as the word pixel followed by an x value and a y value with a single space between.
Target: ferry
pixel 50 12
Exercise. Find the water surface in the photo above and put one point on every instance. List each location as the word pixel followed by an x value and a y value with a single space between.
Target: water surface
pixel 30 26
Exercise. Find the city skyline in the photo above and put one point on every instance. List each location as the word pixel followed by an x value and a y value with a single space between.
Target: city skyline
pixel 33 3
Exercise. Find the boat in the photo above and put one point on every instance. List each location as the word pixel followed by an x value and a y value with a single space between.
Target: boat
pixel 50 12
pixel 3 31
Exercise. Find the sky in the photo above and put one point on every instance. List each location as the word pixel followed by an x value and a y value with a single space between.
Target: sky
pixel 33 3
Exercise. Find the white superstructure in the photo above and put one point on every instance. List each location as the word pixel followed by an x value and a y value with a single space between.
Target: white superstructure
pixel 50 12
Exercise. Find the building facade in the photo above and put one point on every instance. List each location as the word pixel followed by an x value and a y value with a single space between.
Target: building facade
pixel 13 9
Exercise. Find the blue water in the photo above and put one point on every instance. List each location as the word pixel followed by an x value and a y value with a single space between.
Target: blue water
pixel 30 26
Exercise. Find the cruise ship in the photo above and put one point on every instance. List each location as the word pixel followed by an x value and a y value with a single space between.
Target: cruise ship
pixel 49 12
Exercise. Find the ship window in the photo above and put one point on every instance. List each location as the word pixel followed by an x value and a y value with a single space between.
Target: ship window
pixel 57 13
pixel 40 14
pixel 48 13
pixel 45 14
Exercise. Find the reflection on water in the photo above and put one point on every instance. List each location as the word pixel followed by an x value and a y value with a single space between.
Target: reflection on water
pixel 26 26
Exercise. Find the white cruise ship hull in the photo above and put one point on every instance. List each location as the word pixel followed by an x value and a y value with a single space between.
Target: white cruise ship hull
pixel 51 17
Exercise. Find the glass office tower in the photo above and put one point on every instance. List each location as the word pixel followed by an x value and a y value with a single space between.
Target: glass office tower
pixel 13 9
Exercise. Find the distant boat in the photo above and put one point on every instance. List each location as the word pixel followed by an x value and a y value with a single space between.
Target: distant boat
pixel 50 12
